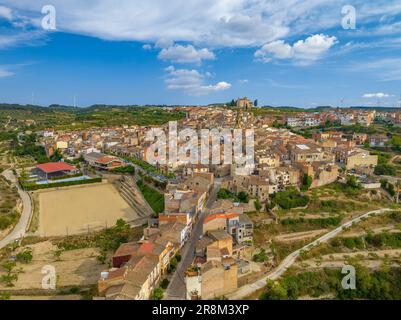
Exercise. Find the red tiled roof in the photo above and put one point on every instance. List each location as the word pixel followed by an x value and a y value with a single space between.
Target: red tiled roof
pixel 55 167
pixel 146 247
pixel 126 249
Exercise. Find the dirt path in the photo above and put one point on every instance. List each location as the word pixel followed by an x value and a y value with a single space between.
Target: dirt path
pixel 372 259
pixel 389 228
pixel 296 236
pixel 20 228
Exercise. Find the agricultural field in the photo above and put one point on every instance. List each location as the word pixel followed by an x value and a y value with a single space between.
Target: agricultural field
pixel 303 217
pixel 78 261
pixel 73 268
pixel 9 211
pixel 77 210
pixel 373 247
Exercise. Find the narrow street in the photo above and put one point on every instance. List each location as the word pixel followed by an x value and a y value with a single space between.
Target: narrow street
pixel 176 289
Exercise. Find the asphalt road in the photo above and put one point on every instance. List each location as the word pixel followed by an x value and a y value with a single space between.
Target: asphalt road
pixel 20 229
pixel 290 259
pixel 177 289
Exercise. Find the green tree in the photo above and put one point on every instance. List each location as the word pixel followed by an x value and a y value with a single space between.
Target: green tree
pixel 260 257
pixel 306 182
pixel 25 256
pixel 164 284
pixel 11 276
pixel 352 182
pixel 243 197
pixel 23 175
pixel 385 169
pixel 158 294
pixel 57 156
pixel 224 194
pixel 290 198
pixel 274 291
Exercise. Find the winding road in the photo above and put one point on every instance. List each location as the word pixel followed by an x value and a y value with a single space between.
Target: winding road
pixel 20 229
pixel 290 259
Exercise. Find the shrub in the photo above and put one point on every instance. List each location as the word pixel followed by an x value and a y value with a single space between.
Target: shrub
pixel 34 186
pixel 152 196
pixel 8 220
pixel 158 294
pixel 306 182
pixel 127 169
pixel 243 197
pixel 385 169
pixel 164 284
pixel 260 257
pixel 353 183
pixel 25 256
pixel 224 194
pixel 290 198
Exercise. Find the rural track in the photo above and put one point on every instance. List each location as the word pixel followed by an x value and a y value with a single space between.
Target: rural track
pixel 19 230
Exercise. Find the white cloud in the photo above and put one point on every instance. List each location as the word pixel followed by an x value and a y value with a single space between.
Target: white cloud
pixel 185 54
pixel 314 46
pixel 191 82
pixel 376 95
pixel 4 72
pixel 303 51
pixel 243 81
pixel 25 38
pixel 6 13
pixel 164 43
pixel 223 23
pixel 387 69
pixel 147 47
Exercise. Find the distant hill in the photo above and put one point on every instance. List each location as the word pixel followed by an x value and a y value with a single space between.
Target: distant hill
pixel 67 117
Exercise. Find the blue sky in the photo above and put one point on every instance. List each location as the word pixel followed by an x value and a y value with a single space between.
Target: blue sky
pixel 289 52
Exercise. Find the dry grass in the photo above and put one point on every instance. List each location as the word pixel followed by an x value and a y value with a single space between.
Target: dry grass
pixel 73 268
